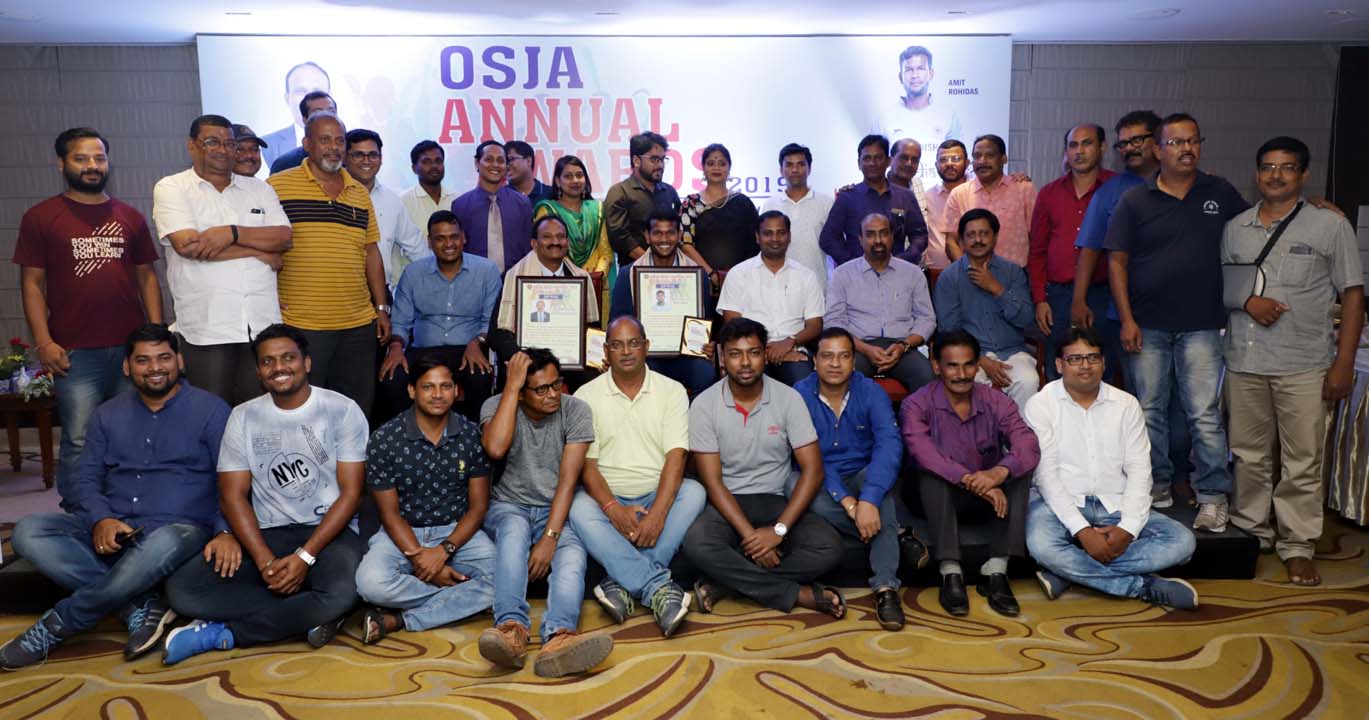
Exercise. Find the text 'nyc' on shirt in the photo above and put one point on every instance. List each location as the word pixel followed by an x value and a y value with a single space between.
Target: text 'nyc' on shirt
pixel 293 454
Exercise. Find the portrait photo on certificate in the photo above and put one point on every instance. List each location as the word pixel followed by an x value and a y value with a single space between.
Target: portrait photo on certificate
pixel 664 298
pixel 550 313
pixel 697 333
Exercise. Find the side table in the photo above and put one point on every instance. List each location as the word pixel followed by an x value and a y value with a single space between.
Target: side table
pixel 11 405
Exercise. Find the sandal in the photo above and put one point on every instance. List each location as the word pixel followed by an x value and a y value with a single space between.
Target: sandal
pixel 373 626
pixel 836 608
pixel 707 594
pixel 1301 571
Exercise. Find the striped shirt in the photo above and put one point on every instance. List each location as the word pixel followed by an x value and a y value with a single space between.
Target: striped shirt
pixel 323 282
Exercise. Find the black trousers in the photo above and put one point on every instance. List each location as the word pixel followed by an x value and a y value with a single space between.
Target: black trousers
pixel 475 386
pixel 945 505
pixel 790 372
pixel 345 361
pixel 228 370
pixel 811 549
pixel 912 370
pixel 257 615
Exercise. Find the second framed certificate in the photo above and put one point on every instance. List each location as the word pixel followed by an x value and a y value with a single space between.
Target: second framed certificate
pixel 550 314
pixel 665 296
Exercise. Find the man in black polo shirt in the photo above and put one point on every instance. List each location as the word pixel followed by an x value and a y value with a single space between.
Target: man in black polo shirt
pixel 1164 264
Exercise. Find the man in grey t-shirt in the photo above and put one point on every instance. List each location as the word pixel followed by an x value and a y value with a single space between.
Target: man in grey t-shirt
pixel 751 539
pixel 542 438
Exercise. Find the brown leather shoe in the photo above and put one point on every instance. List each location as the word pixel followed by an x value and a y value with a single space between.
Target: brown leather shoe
pixel 506 645
pixel 568 653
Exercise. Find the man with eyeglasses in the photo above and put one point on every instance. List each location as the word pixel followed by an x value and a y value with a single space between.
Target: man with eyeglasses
pixel 629 203
pixel 227 234
pixel 397 232
pixel 538 439
pixel 1089 520
pixel 636 504
pixel 1165 270
pixel 522 164
pixel 952 160
pixel 1284 360
pixel 1009 197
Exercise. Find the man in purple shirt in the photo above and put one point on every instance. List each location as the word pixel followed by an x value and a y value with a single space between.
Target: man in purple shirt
pixel 497 218
pixel 975 456
pixel 840 235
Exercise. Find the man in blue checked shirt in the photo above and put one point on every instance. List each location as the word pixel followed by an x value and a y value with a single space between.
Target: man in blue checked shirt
pixel 861 452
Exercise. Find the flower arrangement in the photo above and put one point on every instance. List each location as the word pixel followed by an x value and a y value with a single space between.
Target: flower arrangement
pixel 13 358
pixel 21 374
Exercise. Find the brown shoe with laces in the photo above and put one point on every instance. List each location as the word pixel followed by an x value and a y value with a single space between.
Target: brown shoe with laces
pixel 568 653
pixel 506 645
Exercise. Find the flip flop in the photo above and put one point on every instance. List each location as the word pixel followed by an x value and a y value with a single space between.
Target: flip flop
pixel 707 594
pixel 836 609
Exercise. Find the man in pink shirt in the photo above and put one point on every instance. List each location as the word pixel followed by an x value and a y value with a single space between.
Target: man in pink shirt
pixel 952 159
pixel 1010 199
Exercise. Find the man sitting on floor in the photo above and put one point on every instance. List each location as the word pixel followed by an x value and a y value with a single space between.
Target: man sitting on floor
pixel 636 504
pixel 291 470
pixel 975 455
pixel 542 438
pixel 751 539
pixel 861 453
pixel 1090 521
pixel 431 483
pixel 137 515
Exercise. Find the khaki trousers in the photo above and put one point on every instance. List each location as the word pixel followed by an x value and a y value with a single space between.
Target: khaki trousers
pixel 1290 410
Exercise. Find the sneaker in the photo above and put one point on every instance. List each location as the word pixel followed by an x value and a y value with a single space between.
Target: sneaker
pixel 34 644
pixel 1052 585
pixel 146 626
pixel 506 645
pixel 1169 592
pixel 197 637
pixel 1211 517
pixel 669 604
pixel 1161 496
pixel 569 653
pixel 615 600
pixel 320 635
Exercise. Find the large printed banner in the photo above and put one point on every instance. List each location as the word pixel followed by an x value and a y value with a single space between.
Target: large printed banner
pixel 587 95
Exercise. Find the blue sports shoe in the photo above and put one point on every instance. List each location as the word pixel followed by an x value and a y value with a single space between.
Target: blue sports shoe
pixel 197 637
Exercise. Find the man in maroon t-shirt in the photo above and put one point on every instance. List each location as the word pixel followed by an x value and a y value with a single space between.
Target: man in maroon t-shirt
pixel 87 277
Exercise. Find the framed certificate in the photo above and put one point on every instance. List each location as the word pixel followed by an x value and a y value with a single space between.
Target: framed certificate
pixel 594 349
pixel 664 298
pixel 549 313
pixel 697 332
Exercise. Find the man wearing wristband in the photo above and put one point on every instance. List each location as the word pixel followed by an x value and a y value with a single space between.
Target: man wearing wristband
pixel 431 481
pixel 291 470
pixel 541 438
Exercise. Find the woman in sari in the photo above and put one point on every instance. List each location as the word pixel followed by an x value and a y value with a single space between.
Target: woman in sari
pixel 583 215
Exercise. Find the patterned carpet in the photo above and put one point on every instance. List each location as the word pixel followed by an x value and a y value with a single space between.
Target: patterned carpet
pixel 1261 649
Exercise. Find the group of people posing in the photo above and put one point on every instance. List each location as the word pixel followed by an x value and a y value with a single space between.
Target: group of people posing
pixel 486 474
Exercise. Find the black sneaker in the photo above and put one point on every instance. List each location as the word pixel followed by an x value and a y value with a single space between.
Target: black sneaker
pixel 614 599
pixel 146 626
pixel 33 645
pixel 669 604
pixel 320 635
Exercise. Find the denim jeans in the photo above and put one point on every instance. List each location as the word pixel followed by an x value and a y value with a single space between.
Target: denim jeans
pixel 386 578
pixel 883 546
pixel 95 375
pixel 515 529
pixel 1193 361
pixel 1162 543
pixel 641 571
pixel 61 547
pixel 1060 296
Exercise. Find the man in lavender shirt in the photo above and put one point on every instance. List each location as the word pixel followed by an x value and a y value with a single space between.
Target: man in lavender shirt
pixel 975 456
pixel 497 218
pixel 884 303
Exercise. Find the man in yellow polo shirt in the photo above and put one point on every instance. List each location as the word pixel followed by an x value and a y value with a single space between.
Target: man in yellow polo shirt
pixel 332 284
pixel 636 503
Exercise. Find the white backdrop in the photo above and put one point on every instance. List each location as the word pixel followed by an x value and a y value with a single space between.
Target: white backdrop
pixel 587 95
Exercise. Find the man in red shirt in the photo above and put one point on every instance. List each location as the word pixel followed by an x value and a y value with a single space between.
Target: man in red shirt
pixel 86 272
pixel 1051 256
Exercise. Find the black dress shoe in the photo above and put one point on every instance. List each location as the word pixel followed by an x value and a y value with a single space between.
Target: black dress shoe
pixel 912 552
pixel 889 609
pixel 953 596
pixel 999 592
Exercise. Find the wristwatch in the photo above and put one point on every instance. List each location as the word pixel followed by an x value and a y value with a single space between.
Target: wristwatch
pixel 305 556
pixel 383 308
pixel 449 547
pixel 781 529
pixel 553 534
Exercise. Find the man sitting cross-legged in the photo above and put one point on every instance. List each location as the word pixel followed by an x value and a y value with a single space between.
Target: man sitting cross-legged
pixel 431 483
pixel 144 500
pixel 1089 521
pixel 291 470
pixel 636 504
pixel 744 432
pixel 542 438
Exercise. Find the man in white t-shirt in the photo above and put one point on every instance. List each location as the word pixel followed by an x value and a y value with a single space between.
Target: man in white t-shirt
pixel 291 471
pixel 806 209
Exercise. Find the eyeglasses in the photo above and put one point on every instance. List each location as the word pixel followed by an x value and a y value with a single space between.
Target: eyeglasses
pixel 951 158
pixel 1133 141
pixel 543 390
pixel 1184 142
pixel 1078 360
pixel 619 345
pixel 1284 168
pixel 656 159
pixel 359 156
pixel 215 144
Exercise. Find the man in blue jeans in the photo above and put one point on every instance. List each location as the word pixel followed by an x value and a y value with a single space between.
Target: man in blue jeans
pixel 144 501
pixel 1165 270
pixel 636 503
pixel 431 482
pixel 861 454
pixel 542 438
pixel 1089 521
